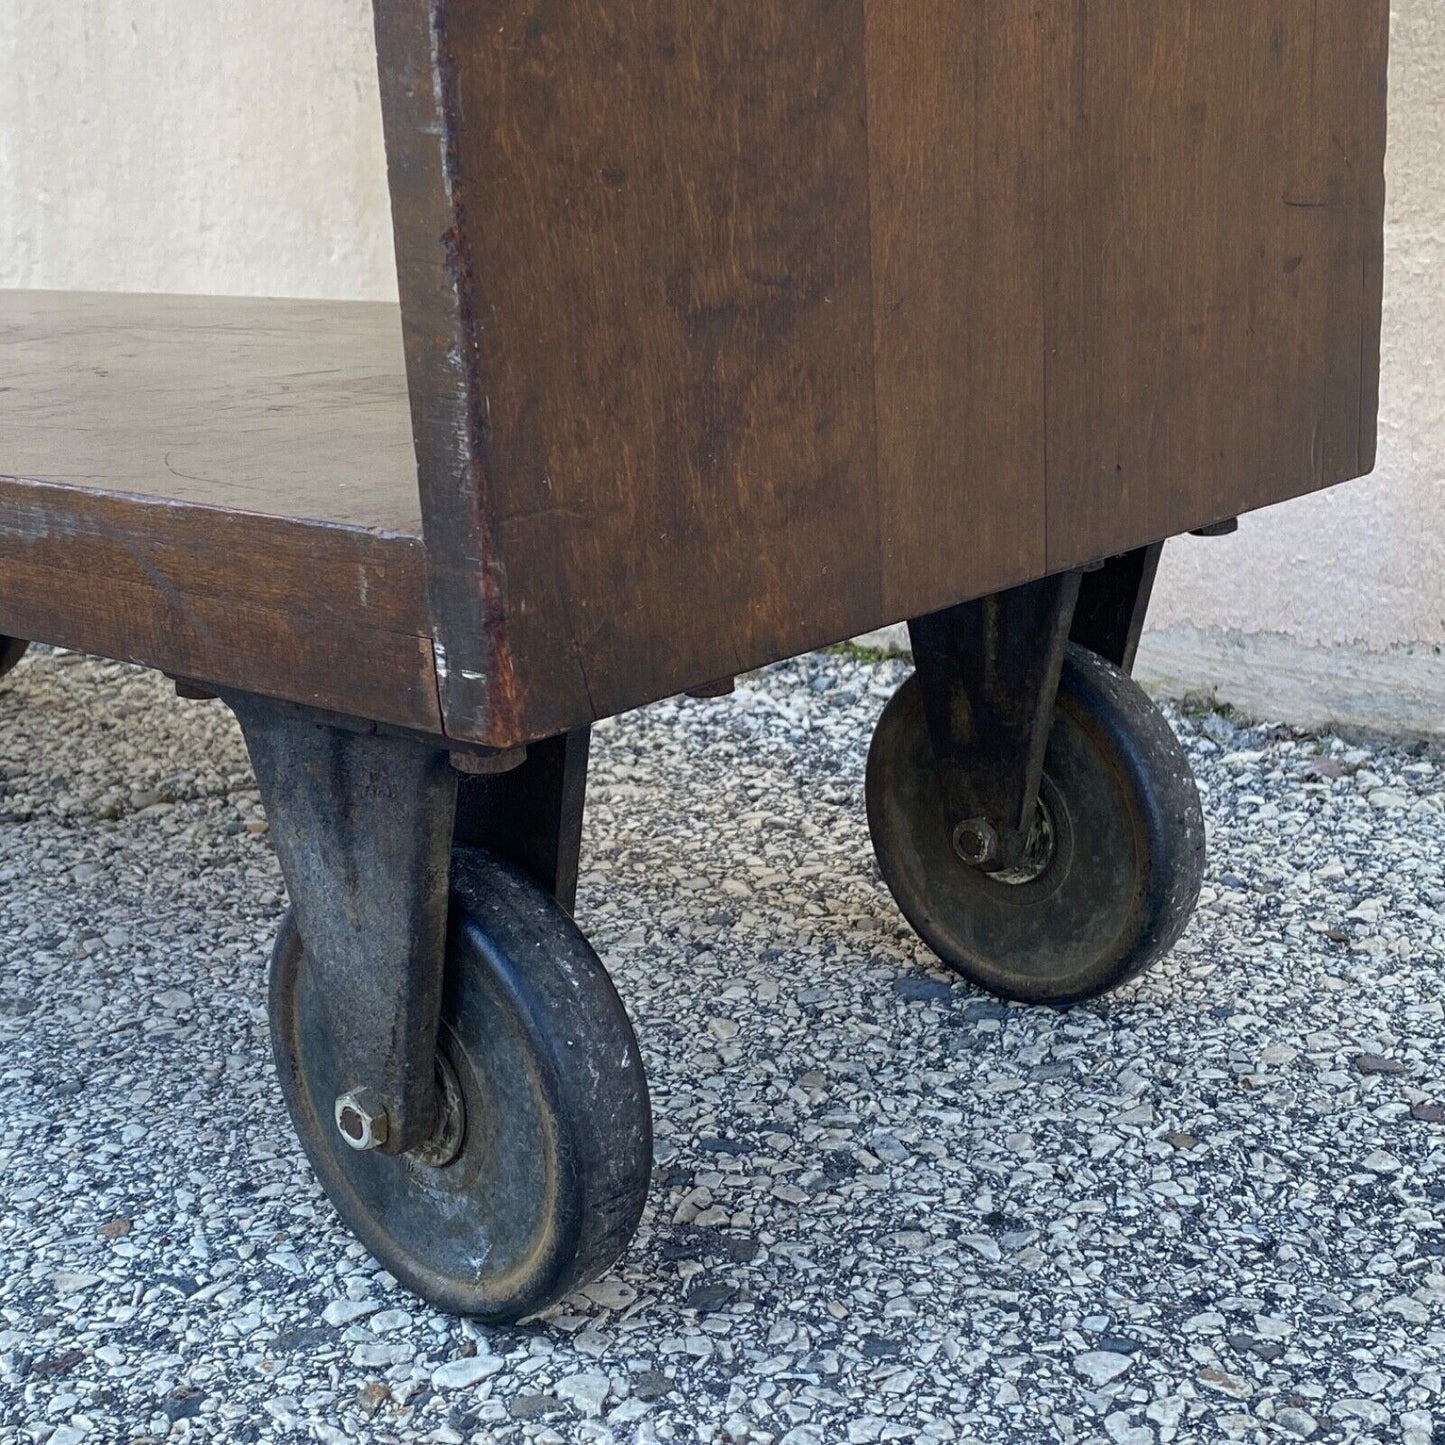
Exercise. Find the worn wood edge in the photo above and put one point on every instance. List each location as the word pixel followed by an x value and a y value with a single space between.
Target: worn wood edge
pixel 465 579
pixel 14 483
pixel 236 551
pixel 1375 57
pixel 362 672
pixel 810 637
pixel 150 581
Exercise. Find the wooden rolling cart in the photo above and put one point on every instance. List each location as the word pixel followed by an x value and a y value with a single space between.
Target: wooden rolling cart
pixel 725 332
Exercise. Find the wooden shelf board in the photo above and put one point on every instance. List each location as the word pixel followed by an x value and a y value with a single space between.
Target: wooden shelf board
pixel 288 408
pixel 223 489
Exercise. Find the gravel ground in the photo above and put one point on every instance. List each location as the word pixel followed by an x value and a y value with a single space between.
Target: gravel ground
pixel 886 1207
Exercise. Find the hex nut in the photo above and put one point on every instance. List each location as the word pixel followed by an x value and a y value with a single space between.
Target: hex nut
pixel 361 1119
pixel 975 841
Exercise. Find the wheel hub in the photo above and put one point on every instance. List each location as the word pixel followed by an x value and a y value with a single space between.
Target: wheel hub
pixel 1038 850
pixel 975 841
pixel 451 1126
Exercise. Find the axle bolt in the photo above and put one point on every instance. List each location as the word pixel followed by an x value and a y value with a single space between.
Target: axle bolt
pixel 361 1118
pixel 975 841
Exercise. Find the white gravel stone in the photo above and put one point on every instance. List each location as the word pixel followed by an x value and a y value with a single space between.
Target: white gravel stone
pixel 345 1311
pixel 1123 1431
pixel 1297 1422
pixel 1417 1427
pixel 1166 1413
pixel 611 1293
pixel 1099 1367
pixel 1372 1412
pixel 68 1282
pixel 462 1374
pixel 1377 1161
pixel 587 1390
pixel 373 1355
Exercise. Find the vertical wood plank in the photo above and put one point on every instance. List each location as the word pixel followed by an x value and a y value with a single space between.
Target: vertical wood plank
pixel 1352 49
pixel 434 273
pixel 955 116
pixel 667 205
pixel 1210 320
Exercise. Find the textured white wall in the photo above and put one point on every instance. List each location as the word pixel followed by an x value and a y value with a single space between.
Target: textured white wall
pixel 191 145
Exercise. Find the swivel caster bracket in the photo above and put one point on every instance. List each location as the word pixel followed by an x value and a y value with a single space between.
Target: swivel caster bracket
pixel 456 1062
pixel 362 823
pixel 989 671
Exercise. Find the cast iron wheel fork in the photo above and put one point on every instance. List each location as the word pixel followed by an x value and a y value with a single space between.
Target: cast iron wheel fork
pixel 456 1062
pixel 1032 812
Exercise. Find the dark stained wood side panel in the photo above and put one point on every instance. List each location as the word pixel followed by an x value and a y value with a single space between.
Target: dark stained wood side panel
pixel 955 115
pixel 1353 44
pixel 669 249
pixel 1213 260
pixel 330 616
pixel 733 330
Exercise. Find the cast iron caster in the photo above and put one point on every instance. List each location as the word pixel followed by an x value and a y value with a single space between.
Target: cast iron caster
pixel 1115 857
pixel 12 649
pixel 536 1178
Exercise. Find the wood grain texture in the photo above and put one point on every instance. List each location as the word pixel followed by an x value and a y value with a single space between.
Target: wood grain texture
pixel 729 332
pixel 955 107
pixel 434 244
pixel 225 449
pixel 324 615
pixel 1213 250
pixel 667 206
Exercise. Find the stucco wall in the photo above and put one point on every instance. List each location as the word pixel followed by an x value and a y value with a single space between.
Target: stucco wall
pixel 191 145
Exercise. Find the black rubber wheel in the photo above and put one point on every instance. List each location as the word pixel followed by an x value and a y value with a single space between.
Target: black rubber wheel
pixel 1124 846
pixel 12 649
pixel 551 1177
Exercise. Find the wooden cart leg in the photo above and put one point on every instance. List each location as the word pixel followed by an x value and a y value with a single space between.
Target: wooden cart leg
pixel 1113 602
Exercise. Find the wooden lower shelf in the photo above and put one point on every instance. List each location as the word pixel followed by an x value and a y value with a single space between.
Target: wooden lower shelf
pixel 224 489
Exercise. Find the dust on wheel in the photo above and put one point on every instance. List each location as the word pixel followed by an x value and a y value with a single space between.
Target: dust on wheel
pixel 1119 856
pixel 554 1145
pixel 12 649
